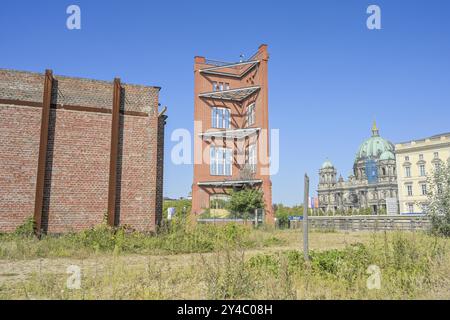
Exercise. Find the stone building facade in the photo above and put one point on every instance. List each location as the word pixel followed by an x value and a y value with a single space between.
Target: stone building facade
pixel 75 152
pixel 416 163
pixel 374 180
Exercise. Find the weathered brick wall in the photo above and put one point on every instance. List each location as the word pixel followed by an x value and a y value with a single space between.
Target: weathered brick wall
pixel 77 171
pixel 137 177
pixel 78 153
pixel 19 148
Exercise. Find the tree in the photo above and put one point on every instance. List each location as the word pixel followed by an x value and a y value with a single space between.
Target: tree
pixel 243 203
pixel 438 206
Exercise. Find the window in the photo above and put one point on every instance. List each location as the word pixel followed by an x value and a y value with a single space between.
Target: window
pixel 422 170
pixel 437 166
pixel 218 201
pixel 407 158
pixel 410 208
pixel 251 114
pixel 408 172
pixel 252 157
pixel 421 157
pixel 220 118
pixel 220 86
pixel 436 155
pixel 221 161
pixel 424 189
pixel 409 190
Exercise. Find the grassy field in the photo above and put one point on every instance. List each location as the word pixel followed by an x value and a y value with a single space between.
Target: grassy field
pixel 232 262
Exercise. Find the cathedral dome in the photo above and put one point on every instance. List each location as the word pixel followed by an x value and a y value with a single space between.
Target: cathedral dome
pixel 375 147
pixel 387 155
pixel 327 165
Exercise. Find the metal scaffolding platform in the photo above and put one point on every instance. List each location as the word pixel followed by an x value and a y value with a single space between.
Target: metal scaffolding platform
pixel 241 69
pixel 239 94
pixel 230 134
pixel 229 183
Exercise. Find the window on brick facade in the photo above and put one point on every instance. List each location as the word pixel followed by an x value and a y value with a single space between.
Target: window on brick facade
pixel 252 157
pixel 220 118
pixel 218 201
pixel 220 86
pixel 251 114
pixel 221 161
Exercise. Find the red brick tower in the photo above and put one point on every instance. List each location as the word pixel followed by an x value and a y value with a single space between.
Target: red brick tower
pixel 231 145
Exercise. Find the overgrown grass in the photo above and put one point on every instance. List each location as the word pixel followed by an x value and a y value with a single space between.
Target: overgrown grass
pixel 179 237
pixel 413 266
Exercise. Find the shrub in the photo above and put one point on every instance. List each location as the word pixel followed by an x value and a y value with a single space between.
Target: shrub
pixel 439 199
pixel 26 229
pixel 244 203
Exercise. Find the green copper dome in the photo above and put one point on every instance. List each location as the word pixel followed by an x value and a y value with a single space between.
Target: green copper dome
pixel 387 155
pixel 375 147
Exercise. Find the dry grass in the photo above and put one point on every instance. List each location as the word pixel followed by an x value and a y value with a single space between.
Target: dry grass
pixel 414 266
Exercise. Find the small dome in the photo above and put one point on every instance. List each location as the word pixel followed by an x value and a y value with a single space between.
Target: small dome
pixel 327 165
pixel 387 155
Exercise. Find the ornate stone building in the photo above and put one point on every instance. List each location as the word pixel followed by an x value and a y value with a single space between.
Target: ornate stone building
pixel 374 179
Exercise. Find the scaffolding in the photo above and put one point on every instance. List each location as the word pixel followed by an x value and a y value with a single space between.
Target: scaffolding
pixel 238 95
pixel 230 134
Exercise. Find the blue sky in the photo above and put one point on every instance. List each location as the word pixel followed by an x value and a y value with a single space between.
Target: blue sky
pixel 329 76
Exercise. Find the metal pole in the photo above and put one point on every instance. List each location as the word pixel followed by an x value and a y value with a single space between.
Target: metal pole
pixel 305 220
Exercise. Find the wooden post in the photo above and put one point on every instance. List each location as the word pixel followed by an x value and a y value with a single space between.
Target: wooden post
pixel 113 154
pixel 305 220
pixel 42 160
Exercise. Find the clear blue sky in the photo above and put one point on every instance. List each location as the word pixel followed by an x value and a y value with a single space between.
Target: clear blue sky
pixel 329 76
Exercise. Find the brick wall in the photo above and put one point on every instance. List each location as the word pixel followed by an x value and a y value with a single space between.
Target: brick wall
pixel 19 150
pixel 78 153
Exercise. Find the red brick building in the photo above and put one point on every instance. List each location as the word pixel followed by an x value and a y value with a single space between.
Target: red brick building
pixel 76 151
pixel 231 145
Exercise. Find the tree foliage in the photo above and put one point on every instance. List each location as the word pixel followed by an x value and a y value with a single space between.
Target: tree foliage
pixel 438 206
pixel 282 213
pixel 244 202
